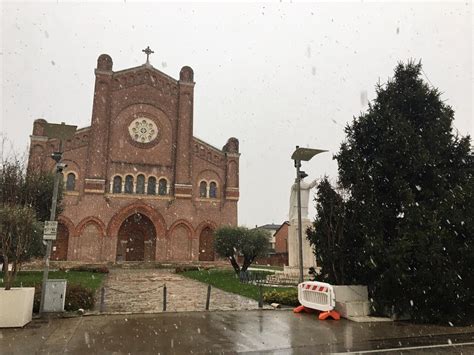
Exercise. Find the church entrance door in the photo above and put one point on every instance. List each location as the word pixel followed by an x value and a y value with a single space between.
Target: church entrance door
pixel 136 239
pixel 206 245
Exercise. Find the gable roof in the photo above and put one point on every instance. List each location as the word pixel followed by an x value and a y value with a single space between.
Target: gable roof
pixel 144 67
pixel 284 223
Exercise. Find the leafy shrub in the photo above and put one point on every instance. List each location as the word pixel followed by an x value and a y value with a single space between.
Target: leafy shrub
pixel 101 269
pixel 285 297
pixel 37 298
pixel 77 296
pixel 184 268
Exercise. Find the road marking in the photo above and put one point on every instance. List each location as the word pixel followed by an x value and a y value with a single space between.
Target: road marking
pixel 407 348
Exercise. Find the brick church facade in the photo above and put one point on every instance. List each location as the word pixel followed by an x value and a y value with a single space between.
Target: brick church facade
pixel 138 185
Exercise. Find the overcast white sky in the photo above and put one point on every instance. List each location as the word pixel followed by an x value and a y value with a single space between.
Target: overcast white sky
pixel 274 75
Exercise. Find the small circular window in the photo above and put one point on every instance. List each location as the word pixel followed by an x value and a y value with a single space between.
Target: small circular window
pixel 143 130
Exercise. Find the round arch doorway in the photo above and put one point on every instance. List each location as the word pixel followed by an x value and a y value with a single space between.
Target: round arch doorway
pixel 136 239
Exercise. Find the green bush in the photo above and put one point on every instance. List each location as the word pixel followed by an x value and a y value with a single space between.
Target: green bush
pixel 77 296
pixel 284 297
pixel 184 268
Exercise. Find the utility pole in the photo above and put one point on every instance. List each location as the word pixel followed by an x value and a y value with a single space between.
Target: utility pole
pixel 61 132
pixel 56 156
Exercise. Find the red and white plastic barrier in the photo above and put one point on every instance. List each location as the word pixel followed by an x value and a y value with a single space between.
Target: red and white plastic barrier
pixel 319 296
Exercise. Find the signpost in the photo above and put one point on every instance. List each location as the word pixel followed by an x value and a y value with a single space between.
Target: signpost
pixel 50 230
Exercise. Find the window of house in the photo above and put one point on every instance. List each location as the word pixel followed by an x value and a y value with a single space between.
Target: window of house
pixel 213 190
pixel 117 188
pixel 151 190
pixel 162 187
pixel 140 184
pixel 128 184
pixel 71 182
pixel 203 189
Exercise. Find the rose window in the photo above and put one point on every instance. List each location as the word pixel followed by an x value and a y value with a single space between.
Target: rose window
pixel 143 130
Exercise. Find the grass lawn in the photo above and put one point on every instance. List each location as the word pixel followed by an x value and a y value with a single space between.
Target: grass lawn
pixel 30 278
pixel 227 280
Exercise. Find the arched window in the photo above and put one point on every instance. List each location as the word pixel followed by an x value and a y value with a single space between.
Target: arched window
pixel 151 190
pixel 203 189
pixel 117 185
pixel 163 187
pixel 140 184
pixel 213 190
pixel 128 189
pixel 71 182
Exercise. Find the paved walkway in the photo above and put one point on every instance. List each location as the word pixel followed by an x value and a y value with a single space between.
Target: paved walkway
pixel 250 332
pixel 141 291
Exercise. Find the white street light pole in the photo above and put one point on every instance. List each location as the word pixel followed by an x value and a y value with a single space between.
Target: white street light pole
pixel 298 155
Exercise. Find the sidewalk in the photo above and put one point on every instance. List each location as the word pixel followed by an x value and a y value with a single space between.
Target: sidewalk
pixel 260 331
pixel 141 291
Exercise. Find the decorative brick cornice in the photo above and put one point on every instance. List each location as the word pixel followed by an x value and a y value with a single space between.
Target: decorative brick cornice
pixel 183 191
pixel 38 138
pixel 94 186
pixel 232 193
pixel 139 197
pixel 93 191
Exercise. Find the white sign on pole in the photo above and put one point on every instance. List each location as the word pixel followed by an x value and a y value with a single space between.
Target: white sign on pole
pixel 50 230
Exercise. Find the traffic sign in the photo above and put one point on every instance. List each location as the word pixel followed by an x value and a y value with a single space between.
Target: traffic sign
pixel 50 230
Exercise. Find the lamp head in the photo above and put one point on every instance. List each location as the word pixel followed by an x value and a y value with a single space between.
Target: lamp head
pixel 302 175
pixel 60 167
pixel 56 156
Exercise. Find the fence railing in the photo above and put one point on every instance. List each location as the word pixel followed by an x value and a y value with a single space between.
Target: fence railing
pixel 267 278
pixel 253 277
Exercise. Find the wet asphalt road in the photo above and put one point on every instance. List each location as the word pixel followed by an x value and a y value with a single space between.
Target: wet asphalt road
pixel 254 332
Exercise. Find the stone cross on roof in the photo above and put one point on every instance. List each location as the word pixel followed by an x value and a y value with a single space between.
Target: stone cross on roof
pixel 147 51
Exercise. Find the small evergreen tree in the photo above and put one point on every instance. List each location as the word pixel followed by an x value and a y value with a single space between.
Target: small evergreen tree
pixel 410 180
pixel 333 247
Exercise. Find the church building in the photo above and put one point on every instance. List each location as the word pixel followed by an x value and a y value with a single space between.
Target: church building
pixel 138 185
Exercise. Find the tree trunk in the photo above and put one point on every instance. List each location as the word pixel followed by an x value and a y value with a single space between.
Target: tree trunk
pixel 7 275
pixel 234 264
pixel 247 263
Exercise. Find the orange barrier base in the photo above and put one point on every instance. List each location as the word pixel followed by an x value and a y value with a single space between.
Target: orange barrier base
pixel 333 314
pixel 302 308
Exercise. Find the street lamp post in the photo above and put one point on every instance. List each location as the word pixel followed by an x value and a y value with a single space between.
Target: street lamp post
pixel 298 155
pixel 62 132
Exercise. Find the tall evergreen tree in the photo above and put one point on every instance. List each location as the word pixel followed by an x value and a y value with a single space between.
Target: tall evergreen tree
pixel 410 179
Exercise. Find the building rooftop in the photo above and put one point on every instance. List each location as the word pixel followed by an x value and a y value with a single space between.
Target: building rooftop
pixel 269 226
